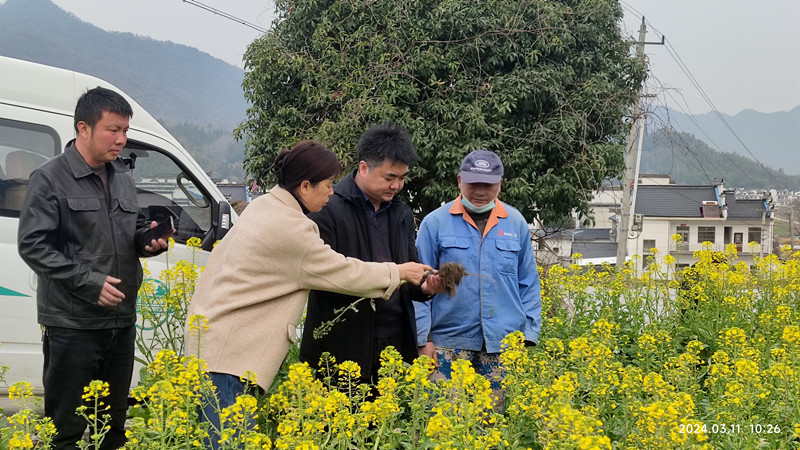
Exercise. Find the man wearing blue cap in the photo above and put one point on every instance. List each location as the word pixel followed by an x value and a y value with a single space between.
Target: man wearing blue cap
pixel 500 294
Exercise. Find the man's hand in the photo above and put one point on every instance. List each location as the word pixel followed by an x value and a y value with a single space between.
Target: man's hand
pixel 156 245
pixel 433 285
pixel 429 350
pixel 110 295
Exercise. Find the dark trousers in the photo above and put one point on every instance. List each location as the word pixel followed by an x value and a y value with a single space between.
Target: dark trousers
pixel 228 388
pixel 379 346
pixel 72 359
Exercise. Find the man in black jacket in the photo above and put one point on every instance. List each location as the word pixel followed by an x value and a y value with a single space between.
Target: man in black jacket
pixel 365 220
pixel 80 231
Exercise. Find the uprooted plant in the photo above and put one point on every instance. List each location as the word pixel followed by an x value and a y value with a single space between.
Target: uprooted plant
pixel 449 273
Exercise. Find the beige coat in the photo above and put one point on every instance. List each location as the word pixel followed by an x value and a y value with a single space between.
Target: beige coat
pixel 255 286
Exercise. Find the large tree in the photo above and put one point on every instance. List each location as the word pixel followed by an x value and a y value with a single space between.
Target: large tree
pixel 545 84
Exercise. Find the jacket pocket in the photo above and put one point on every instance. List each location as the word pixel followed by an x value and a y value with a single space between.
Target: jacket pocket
pixel 128 206
pixel 79 204
pixel 86 214
pixel 454 242
pixel 453 248
pixel 507 256
pixel 126 221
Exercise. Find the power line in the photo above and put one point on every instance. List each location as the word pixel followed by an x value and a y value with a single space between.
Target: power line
pixel 685 147
pixel 663 89
pixel 685 69
pixel 671 50
pixel 225 15
pixel 668 124
pixel 690 150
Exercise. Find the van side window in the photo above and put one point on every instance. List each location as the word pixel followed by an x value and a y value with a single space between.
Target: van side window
pixel 165 189
pixel 23 147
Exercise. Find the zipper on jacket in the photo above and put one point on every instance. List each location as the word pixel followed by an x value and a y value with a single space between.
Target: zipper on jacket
pixel 483 234
pixel 109 198
pixel 480 287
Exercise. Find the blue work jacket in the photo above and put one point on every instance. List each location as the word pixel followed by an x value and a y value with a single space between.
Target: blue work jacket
pixel 501 292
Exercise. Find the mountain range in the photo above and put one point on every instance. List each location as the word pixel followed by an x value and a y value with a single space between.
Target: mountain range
pixel 772 139
pixel 173 82
pixel 691 161
pixel 199 99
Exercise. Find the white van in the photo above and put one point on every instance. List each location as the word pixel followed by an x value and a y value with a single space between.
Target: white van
pixel 37 104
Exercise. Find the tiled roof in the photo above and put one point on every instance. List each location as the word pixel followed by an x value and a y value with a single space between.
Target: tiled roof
pixel 687 201
pixel 580 234
pixel 673 200
pixel 745 209
pixel 593 234
pixel 591 250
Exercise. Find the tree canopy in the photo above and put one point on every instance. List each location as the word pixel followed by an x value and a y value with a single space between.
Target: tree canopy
pixel 545 84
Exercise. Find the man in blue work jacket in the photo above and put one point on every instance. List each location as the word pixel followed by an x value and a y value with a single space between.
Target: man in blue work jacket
pixel 500 294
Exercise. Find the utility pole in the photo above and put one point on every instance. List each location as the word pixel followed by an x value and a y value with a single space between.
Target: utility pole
pixel 626 208
pixel 625 218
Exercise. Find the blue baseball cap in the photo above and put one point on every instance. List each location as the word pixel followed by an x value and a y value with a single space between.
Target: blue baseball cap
pixel 481 166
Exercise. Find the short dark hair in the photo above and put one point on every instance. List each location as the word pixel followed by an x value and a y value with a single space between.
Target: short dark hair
pixel 307 160
pixel 94 102
pixel 387 141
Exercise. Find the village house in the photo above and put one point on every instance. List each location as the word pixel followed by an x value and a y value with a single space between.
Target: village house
pixel 595 246
pixel 700 214
pixel 704 213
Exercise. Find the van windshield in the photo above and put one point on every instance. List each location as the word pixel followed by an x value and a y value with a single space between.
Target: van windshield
pixel 165 189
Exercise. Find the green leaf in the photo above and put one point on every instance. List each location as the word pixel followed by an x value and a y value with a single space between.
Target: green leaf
pixel 544 84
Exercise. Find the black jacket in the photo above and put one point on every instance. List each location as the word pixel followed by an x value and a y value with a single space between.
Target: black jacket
pixel 342 225
pixel 72 240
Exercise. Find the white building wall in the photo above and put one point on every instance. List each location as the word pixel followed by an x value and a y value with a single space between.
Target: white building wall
pixel 556 250
pixel 694 230
pixel 739 226
pixel 605 203
pixel 661 230
pixel 654 180
pixel 655 229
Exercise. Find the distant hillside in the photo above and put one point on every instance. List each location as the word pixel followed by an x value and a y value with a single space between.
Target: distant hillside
pixel 214 149
pixel 200 100
pixel 175 83
pixel 688 160
pixel 774 138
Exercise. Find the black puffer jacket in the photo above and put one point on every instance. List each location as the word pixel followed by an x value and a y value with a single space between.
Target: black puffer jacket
pixel 343 225
pixel 72 240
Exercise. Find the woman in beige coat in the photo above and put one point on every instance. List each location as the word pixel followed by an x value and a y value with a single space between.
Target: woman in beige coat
pixel 255 285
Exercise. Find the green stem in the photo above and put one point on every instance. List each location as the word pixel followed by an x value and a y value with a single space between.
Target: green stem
pixel 94 425
pixel 378 436
pixel 325 327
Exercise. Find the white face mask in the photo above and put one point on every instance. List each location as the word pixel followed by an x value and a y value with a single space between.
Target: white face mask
pixel 477 209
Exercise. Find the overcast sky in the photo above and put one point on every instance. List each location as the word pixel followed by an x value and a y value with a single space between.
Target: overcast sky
pixel 743 53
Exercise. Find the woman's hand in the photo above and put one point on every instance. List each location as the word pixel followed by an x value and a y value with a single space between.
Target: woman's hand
pixel 413 272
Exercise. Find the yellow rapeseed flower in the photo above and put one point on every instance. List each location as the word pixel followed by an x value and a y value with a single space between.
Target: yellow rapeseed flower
pixel 20 390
